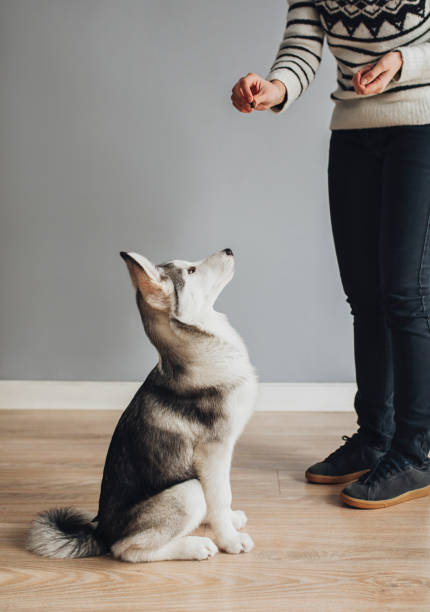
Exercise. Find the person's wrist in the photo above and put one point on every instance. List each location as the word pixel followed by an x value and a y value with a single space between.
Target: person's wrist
pixel 282 90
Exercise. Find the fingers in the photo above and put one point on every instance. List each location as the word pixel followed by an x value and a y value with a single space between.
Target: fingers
pixel 373 73
pixel 241 104
pixel 363 70
pixel 357 79
pixel 239 100
pixel 379 84
pixel 245 84
pixel 244 91
pixel 371 80
pixel 252 92
pixel 377 79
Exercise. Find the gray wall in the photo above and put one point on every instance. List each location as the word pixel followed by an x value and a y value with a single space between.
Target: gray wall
pixel 117 132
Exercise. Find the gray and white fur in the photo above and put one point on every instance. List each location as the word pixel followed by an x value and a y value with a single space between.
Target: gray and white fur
pixel 168 465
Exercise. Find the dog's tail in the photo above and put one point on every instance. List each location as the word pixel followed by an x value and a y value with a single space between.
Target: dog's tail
pixel 64 533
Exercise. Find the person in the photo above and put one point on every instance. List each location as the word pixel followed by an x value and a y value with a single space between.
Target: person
pixel 379 193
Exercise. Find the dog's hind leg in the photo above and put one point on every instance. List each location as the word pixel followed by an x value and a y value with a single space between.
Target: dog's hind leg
pixel 158 528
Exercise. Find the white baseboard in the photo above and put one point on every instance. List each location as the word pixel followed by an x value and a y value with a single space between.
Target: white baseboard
pixel 89 395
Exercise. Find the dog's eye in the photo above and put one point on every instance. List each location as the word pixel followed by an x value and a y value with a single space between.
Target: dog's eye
pixel 191 270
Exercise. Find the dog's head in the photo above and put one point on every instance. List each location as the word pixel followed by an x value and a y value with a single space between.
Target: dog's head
pixel 185 290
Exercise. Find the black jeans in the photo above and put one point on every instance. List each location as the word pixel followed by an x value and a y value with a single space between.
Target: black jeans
pixel 379 188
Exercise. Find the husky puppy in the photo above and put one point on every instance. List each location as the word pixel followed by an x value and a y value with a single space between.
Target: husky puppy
pixel 168 464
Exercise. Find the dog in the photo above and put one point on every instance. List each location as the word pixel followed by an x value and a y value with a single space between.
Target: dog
pixel 167 468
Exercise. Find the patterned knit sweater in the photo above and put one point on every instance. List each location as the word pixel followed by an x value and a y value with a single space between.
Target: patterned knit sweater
pixel 359 32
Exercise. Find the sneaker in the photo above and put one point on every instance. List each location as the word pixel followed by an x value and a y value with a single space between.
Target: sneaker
pixel 393 480
pixel 351 460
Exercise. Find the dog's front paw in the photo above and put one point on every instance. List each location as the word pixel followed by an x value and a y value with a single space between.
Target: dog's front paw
pixel 238 518
pixel 199 548
pixel 240 542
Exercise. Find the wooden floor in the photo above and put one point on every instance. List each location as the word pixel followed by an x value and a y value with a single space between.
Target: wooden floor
pixel 311 553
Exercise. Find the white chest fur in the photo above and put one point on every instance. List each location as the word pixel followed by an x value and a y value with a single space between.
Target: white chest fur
pixel 239 406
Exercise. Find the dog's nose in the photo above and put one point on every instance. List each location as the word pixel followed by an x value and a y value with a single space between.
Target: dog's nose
pixel 228 251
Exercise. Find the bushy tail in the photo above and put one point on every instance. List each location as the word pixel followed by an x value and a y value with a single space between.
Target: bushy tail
pixel 64 533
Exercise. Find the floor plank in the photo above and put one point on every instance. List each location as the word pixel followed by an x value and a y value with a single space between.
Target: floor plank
pixel 311 552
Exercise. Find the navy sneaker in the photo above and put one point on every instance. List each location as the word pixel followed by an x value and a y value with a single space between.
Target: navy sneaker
pixel 351 460
pixel 395 479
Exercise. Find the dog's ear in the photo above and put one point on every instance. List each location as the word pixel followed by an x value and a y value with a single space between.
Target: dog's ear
pixel 146 278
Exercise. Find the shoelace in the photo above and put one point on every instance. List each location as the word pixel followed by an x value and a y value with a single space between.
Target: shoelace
pixel 389 464
pixel 349 441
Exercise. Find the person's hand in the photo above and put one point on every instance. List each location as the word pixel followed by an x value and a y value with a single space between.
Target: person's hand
pixel 252 92
pixel 373 79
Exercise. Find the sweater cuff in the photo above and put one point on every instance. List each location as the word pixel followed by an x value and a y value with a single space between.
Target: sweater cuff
pixel 292 84
pixel 413 64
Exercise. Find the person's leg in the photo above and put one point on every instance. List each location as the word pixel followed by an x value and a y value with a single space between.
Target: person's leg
pixel 355 194
pixel 405 272
pixel 405 292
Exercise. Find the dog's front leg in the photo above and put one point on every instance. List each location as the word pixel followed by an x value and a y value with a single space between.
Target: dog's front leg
pixel 213 469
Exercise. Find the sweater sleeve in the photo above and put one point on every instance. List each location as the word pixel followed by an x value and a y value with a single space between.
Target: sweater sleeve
pixel 416 63
pixel 299 53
